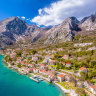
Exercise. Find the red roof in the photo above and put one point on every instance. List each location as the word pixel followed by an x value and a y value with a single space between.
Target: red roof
pixel 82 68
pixel 52 61
pixel 63 63
pixel 52 75
pixel 43 71
pixel 22 62
pixel 61 75
pixel 94 87
pixel 65 56
pixel 18 57
pixel 68 63
pixel 42 65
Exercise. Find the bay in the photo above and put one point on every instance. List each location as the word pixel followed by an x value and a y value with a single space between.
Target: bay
pixel 14 84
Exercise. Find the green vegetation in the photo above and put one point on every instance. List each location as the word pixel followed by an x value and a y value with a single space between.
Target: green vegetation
pixel 80 91
pixel 63 84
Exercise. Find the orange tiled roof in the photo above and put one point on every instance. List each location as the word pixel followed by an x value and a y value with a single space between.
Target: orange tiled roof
pixel 82 68
pixel 18 57
pixel 63 63
pixel 61 75
pixel 42 65
pixel 68 63
pixel 92 86
pixel 22 62
pixel 52 61
pixel 52 75
pixel 65 56
pixel 43 71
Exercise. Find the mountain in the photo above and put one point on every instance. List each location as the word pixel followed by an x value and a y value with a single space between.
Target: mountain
pixel 13 30
pixel 89 23
pixel 63 32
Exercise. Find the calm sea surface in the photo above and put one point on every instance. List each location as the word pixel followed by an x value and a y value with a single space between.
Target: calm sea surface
pixel 14 84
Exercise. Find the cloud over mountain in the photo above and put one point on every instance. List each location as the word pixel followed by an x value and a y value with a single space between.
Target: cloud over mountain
pixel 58 11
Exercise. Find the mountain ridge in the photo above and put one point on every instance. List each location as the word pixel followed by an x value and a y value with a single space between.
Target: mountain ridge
pixel 14 29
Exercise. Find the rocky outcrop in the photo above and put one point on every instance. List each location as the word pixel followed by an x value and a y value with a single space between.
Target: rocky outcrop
pixel 89 23
pixel 13 29
pixel 63 32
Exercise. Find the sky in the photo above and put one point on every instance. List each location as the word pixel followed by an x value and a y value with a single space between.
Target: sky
pixel 46 12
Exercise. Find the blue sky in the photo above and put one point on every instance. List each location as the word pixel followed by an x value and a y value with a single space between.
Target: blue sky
pixel 46 12
pixel 27 8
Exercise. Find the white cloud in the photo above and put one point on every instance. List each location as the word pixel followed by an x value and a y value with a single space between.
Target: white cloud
pixel 40 11
pixel 28 19
pixel 58 11
pixel 23 17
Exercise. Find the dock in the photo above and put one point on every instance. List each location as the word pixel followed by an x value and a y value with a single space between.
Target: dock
pixel 40 79
pixel 34 79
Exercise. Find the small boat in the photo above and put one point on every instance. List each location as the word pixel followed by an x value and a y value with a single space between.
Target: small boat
pixel 40 79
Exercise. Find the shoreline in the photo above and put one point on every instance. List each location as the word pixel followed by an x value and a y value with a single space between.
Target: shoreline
pixel 64 91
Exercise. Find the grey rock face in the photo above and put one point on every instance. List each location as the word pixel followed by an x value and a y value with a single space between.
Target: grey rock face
pixel 12 29
pixel 89 23
pixel 63 32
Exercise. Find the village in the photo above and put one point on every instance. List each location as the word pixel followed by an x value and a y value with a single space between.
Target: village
pixel 43 65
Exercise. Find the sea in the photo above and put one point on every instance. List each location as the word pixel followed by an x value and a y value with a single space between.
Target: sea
pixel 14 84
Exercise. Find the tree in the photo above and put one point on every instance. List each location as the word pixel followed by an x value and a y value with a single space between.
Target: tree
pixel 19 66
pixel 80 91
pixel 19 54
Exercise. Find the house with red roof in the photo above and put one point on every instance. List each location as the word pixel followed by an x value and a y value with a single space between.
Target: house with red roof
pixel 66 57
pixel 44 72
pixel 60 49
pixel 30 65
pixel 22 62
pixel 83 69
pixel 53 51
pixel 52 56
pixel 35 58
pixel 68 64
pixel 42 66
pixel 52 62
pixel 19 58
pixel 90 87
pixel 93 89
pixel 26 70
pixel 51 77
pixel 60 77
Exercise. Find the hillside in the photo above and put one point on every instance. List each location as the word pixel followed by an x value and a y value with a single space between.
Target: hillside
pixel 13 30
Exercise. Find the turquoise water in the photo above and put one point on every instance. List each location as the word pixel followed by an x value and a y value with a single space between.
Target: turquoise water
pixel 14 84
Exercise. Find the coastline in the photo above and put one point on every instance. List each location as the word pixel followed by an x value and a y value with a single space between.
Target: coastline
pixel 18 82
pixel 65 91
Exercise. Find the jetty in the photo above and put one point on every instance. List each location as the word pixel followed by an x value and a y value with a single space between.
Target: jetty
pixel 34 79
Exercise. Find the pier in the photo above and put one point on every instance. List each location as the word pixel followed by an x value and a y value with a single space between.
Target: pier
pixel 34 79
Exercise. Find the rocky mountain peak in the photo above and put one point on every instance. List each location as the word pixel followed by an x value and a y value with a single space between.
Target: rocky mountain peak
pixel 12 28
pixel 64 31
pixel 71 19
pixel 89 23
